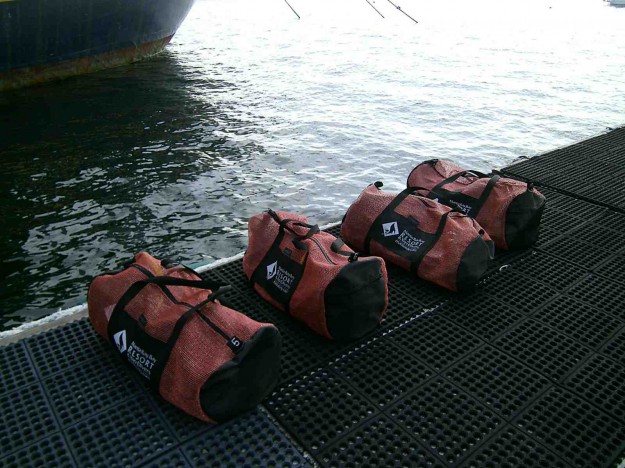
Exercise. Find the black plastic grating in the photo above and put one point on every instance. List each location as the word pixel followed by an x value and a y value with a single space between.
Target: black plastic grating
pixel 612 220
pixel 615 347
pixel 601 381
pixel 581 209
pixel 517 290
pixel 511 448
pixel 542 348
pixel 481 314
pixel 334 230
pixel 396 371
pixel 400 307
pixel 597 233
pixel 563 221
pixel 585 255
pixel 180 424
pixel 250 440
pixel 378 442
pixel 434 340
pixel 602 294
pixel 96 385
pixel 580 321
pixel 552 271
pixel 319 408
pixel 445 419
pixel 232 273
pixel 17 370
pixel 613 268
pixel 54 351
pixel 574 429
pixel 172 459
pixel 25 417
pixel 503 259
pixel 111 430
pixel 588 169
pixel 497 380
pixel 49 452
pixel 424 293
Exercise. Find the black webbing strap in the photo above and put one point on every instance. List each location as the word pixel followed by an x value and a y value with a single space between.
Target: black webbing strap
pixel 485 194
pixel 297 240
pixel 401 196
pixel 456 176
pixel 158 352
pixel 274 252
pixel 414 266
pixel 439 192
pixel 137 286
pixel 431 239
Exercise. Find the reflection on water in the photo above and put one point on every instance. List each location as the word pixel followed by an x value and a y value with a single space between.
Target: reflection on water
pixel 95 168
pixel 251 108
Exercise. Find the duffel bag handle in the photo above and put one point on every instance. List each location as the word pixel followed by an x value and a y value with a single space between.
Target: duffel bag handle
pixel 435 192
pixel 297 240
pixel 137 286
pixel 336 248
pixel 412 189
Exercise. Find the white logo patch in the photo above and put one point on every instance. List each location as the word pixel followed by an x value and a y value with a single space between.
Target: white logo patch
pixel 120 340
pixel 390 229
pixel 272 270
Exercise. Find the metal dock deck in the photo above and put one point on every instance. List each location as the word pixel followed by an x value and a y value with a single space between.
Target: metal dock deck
pixel 529 370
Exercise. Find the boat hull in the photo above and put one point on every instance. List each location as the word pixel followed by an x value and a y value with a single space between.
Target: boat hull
pixel 42 40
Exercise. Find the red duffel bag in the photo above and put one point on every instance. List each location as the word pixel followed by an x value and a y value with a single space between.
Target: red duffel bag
pixel 314 277
pixel 509 210
pixel 433 241
pixel 208 360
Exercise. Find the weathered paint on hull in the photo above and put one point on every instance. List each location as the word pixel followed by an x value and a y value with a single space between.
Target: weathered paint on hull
pixel 29 76
pixel 42 40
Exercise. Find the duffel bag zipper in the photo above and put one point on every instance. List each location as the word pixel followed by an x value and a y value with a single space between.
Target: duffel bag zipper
pixel 233 342
pixel 323 251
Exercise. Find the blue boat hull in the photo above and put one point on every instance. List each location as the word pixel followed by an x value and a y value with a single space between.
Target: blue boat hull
pixel 48 39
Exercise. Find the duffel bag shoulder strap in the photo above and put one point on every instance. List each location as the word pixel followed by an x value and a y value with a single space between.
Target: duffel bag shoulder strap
pixel 277 273
pixel 438 191
pixel 144 352
pixel 386 227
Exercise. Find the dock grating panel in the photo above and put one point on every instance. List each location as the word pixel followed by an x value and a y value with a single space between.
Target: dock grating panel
pixel 589 170
pixel 528 370
pixel 17 371
pixel 447 420
pixel 575 430
pixel 542 348
pixel 379 442
pixel 512 448
pixel 497 380
pixel 48 452
pixel 250 440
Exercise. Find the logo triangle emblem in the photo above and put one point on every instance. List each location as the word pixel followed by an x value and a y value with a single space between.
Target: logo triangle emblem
pixel 120 340
pixel 272 270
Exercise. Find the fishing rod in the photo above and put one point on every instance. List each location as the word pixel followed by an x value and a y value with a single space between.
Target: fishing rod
pixel 292 9
pixel 399 8
pixel 374 8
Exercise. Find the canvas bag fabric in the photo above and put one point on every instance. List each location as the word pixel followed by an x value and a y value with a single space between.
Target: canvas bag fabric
pixel 509 210
pixel 314 277
pixel 166 322
pixel 420 235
